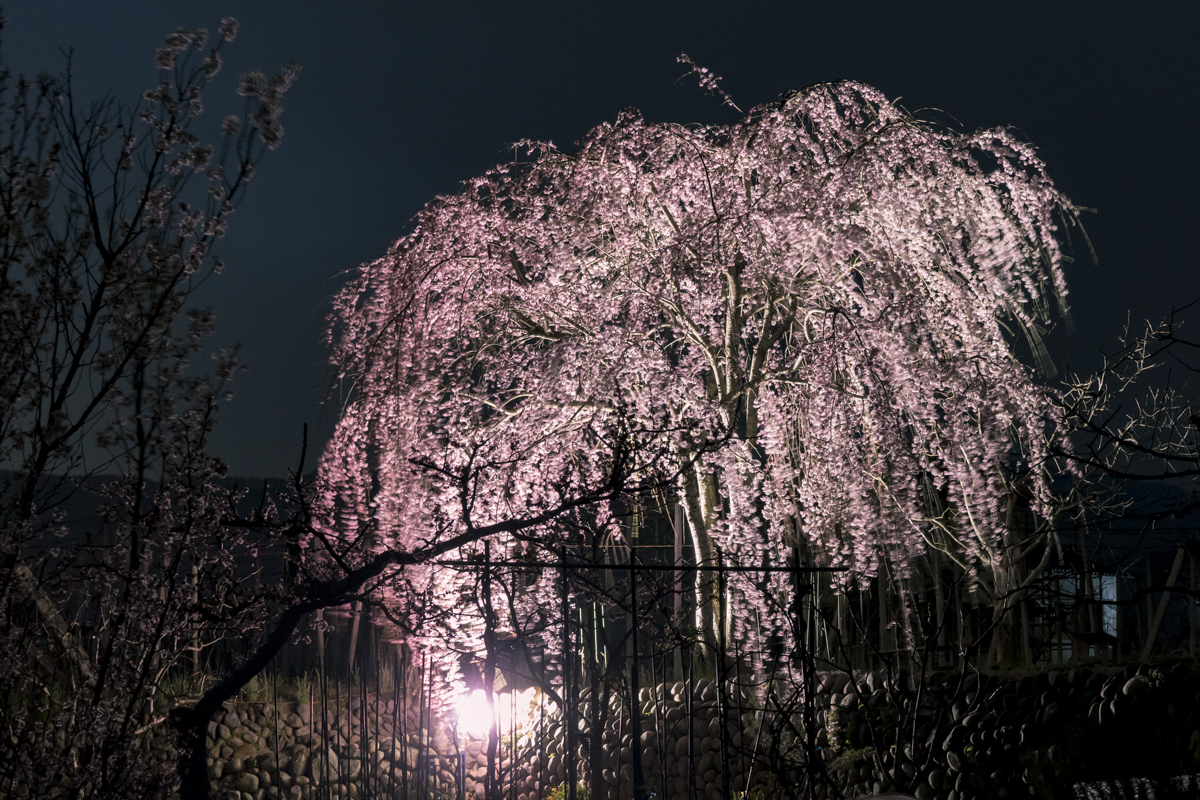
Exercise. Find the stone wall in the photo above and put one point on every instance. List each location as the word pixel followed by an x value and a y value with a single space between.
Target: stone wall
pixel 1017 736
pixel 994 737
pixel 259 751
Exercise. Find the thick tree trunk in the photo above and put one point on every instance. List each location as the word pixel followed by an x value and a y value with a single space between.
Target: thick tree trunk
pixel 699 496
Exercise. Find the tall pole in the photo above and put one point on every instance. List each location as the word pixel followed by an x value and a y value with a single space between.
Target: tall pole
pixel 402 730
pixel 567 658
pixel 719 680
pixel 635 716
pixel 677 594
pixel 807 679
pixel 691 707
pixel 320 639
pixel 397 731
pixel 491 790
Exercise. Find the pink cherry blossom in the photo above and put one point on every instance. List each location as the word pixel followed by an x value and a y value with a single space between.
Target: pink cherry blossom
pixel 796 323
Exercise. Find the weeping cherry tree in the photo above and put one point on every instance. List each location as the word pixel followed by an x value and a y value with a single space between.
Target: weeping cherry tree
pixel 800 324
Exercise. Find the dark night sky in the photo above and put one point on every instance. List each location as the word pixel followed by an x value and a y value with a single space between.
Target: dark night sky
pixel 400 101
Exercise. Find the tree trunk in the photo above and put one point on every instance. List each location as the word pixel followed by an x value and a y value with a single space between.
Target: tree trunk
pixel 706 582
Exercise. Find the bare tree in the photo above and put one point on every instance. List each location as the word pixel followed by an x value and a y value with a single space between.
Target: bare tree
pixel 109 213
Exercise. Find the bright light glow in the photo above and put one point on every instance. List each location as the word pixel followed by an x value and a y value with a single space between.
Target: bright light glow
pixel 514 712
pixel 474 717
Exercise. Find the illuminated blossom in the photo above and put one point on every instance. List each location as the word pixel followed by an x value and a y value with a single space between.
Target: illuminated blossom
pixel 796 319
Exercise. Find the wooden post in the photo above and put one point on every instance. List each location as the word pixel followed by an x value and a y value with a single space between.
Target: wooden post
pixel 1162 604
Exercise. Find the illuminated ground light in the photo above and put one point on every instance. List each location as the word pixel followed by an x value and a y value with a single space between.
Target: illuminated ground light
pixel 514 713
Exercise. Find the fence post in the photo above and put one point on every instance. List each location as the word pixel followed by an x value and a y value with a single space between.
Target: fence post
pixel 677 594
pixel 719 677
pixel 660 722
pixel 806 678
pixel 491 790
pixel 567 658
pixel 691 750
pixel 320 639
pixel 635 701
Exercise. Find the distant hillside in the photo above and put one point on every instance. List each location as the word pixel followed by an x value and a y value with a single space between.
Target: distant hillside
pixel 77 507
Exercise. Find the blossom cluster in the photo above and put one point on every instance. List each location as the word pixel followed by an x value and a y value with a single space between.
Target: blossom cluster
pixel 795 323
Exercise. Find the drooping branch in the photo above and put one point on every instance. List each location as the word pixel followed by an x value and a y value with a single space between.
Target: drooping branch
pixel 191 721
pixel 811 307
